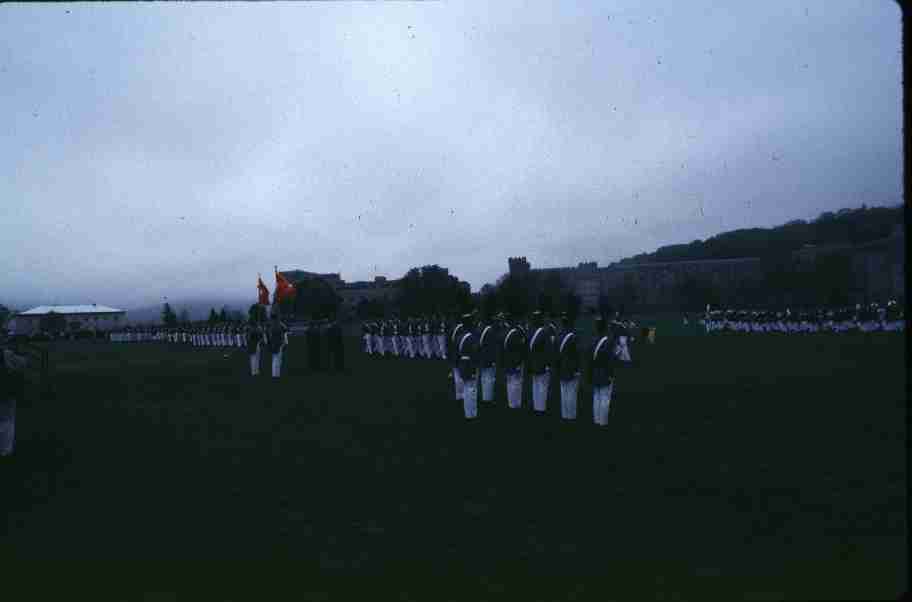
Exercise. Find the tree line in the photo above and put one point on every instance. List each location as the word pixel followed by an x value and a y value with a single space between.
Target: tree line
pixel 843 227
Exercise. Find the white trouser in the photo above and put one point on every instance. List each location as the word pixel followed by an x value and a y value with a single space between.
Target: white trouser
pixel 378 344
pixel 389 345
pixel 409 348
pixel 568 397
pixel 426 343
pixel 255 363
pixel 514 388
pixel 277 364
pixel 7 426
pixel 470 397
pixel 441 346
pixel 488 376
pixel 457 381
pixel 601 398
pixel 540 391
pixel 367 344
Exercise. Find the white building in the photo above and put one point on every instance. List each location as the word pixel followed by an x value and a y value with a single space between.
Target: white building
pixel 78 317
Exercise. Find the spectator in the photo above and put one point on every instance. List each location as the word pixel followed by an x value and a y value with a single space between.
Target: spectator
pixel 12 386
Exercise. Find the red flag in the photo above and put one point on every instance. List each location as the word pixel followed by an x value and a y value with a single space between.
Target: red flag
pixel 263 292
pixel 283 290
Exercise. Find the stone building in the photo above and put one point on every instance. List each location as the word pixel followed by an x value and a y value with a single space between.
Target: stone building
pixel 877 273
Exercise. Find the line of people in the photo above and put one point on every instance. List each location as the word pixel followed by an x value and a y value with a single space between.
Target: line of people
pixel 874 317
pixel 209 335
pixel 412 337
pixel 537 350
pixel 255 338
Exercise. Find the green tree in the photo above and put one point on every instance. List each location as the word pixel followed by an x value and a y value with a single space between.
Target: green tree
pixel 168 317
pixel 314 298
pixel 184 316
pixel 257 313
pixel 489 304
pixel 213 316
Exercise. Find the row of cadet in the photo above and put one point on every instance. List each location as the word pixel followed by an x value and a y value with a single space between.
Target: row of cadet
pixel 874 317
pixel 410 337
pixel 538 349
pixel 273 336
pixel 210 335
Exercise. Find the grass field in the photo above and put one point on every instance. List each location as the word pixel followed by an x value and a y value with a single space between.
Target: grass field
pixel 754 467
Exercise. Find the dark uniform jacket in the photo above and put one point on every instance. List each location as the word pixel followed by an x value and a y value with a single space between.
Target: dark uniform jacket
pixel 540 350
pixel 453 343
pixel 568 354
pixel 489 343
pixel 602 361
pixel 514 348
pixel 468 354
pixel 12 378
pixel 254 338
pixel 276 339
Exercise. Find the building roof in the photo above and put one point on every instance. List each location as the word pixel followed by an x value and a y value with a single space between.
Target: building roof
pixel 71 309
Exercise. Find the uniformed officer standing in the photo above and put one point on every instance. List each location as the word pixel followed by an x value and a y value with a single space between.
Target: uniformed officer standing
pixel 442 329
pixel 453 354
pixel 336 346
pixel 467 354
pixel 277 340
pixel 387 328
pixel 569 369
pixel 489 345
pixel 426 337
pixel 365 338
pixel 514 355
pixel 602 373
pixel 12 388
pixel 395 332
pixel 540 355
pixel 255 340
pixel 313 345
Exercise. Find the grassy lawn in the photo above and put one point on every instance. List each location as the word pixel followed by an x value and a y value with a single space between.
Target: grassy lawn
pixel 755 466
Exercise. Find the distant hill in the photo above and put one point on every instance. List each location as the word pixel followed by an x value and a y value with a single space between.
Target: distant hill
pixel 844 227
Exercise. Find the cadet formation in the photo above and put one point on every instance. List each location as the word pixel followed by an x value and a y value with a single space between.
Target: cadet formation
pixel 530 352
pixel 874 317
pixel 533 351
pixel 256 339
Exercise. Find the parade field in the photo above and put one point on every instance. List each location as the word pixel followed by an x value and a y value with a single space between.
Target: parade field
pixel 748 466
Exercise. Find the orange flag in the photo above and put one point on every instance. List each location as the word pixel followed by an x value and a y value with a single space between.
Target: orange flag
pixel 263 292
pixel 283 290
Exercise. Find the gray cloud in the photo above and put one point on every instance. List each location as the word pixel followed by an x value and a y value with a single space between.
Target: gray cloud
pixel 178 149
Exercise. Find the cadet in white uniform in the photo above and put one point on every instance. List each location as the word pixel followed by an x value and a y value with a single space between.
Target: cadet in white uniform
pixel 255 340
pixel 454 357
pixel 467 361
pixel 568 368
pixel 514 354
pixel 12 386
pixel 602 377
pixel 540 355
pixel 489 345
pixel 277 340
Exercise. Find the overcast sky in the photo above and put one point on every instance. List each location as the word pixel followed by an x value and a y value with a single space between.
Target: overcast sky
pixel 152 150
